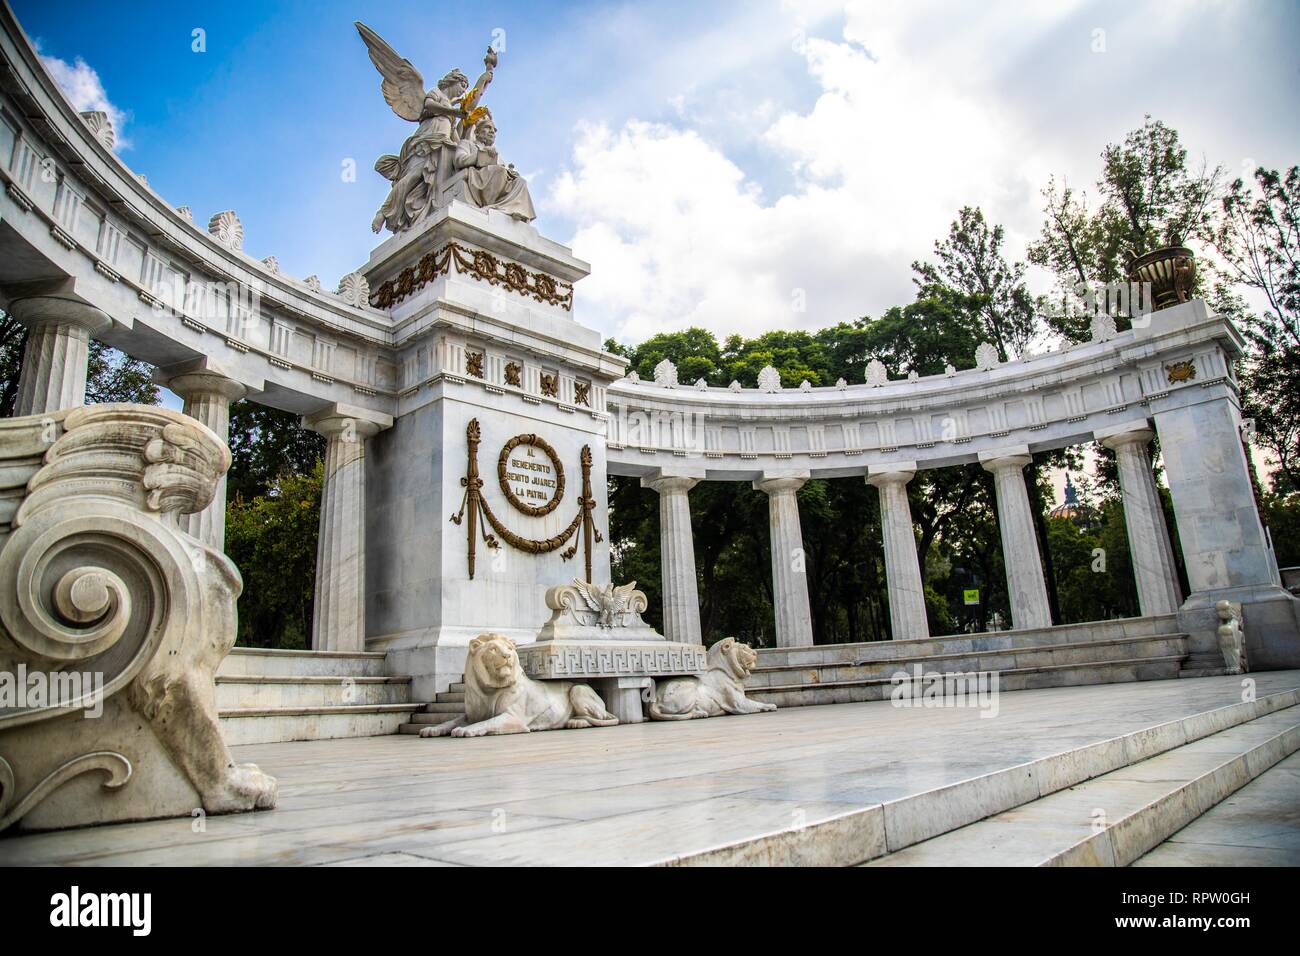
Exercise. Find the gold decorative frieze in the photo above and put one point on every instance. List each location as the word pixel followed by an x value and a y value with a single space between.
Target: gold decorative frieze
pixel 479 265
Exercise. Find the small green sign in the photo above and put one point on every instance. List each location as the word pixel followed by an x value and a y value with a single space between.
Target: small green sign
pixel 971 596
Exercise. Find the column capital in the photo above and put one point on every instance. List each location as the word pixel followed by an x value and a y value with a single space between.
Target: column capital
pixel 668 484
pixel 891 473
pixel 781 482
pixel 1131 433
pixel 1002 459
pixel 203 376
pixel 57 309
pixel 341 421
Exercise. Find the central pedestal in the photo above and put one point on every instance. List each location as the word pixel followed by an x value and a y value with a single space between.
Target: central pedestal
pixel 497 446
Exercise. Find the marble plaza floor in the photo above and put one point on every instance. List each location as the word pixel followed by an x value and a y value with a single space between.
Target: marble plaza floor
pixel 626 795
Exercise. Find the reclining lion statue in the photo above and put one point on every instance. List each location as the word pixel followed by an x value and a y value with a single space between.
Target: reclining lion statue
pixel 719 690
pixel 501 699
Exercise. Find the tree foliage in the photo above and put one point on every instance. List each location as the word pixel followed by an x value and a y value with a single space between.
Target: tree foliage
pixel 272 540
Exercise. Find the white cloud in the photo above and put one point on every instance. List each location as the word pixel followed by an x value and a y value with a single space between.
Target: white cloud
pixel 81 85
pixel 679 235
pixel 917 110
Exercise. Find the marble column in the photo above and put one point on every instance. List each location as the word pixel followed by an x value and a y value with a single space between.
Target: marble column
pixel 1025 583
pixel 1225 549
pixel 207 394
pixel 338 619
pixel 58 347
pixel 902 569
pixel 681 599
pixel 789 580
pixel 1144 520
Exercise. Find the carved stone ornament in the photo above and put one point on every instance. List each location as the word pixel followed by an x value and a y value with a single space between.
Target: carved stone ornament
pixel 805 386
pixel 877 374
pixel 514 374
pixel 551 384
pixel 736 386
pixel 108 605
pixel 666 374
pixel 272 265
pixel 101 127
pixel 312 282
pixel 226 228
pixel 474 364
pixel 354 289
pixel 582 394
pixel 719 690
pixel 1102 327
pixel 1179 372
pixel 185 213
pixel 986 357
pixel 769 379
pixel 501 699
pixel 508 470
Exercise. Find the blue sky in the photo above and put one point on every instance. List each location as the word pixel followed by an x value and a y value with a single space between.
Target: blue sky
pixel 711 160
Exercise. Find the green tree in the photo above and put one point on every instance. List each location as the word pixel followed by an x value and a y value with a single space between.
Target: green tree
pixel 1257 238
pixel 266 443
pixel 970 261
pixel 1149 198
pixel 272 540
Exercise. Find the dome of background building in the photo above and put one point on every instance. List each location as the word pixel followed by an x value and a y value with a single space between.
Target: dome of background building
pixel 1070 508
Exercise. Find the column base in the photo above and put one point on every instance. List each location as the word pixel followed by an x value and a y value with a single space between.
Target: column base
pixel 1270 619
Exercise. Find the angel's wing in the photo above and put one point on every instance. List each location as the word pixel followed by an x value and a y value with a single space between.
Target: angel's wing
pixel 590 593
pixel 403 87
pixel 623 593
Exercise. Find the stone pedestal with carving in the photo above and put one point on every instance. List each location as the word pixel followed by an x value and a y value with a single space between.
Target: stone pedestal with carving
pixel 113 622
pixel 1225 548
pixel 596 635
pixel 485 334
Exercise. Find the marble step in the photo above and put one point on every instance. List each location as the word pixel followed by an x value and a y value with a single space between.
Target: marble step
pixel 437 708
pixel 998 658
pixel 450 697
pixel 968 645
pixel 860 835
pixel 268 662
pixel 262 725
pixel 1114 819
pixel 266 691
pixel 1009 679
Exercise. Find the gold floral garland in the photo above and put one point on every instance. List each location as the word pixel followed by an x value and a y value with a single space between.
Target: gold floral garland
pixel 479 265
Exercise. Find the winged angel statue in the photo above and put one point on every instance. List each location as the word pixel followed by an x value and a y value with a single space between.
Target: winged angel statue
pixel 453 128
